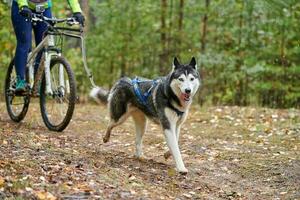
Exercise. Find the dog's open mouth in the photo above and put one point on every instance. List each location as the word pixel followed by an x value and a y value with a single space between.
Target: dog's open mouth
pixel 185 97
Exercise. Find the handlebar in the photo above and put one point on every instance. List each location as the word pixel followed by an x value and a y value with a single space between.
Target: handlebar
pixel 38 17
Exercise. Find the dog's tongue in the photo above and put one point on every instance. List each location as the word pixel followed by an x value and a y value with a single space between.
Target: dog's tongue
pixel 185 97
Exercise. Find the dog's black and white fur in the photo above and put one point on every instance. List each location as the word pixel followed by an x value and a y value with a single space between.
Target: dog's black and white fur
pixel 167 105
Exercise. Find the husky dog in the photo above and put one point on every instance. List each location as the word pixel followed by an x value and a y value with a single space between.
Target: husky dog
pixel 165 100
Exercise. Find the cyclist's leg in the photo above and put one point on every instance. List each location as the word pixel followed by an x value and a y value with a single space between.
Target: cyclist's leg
pixel 22 29
pixel 39 30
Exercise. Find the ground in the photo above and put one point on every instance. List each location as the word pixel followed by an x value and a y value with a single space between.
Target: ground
pixel 231 153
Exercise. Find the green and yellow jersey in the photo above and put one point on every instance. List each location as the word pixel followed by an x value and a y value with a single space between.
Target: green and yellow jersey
pixel 74 4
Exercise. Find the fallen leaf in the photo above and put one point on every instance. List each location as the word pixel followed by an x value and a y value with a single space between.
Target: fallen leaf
pixel 42 195
pixel 171 172
pixel 2 181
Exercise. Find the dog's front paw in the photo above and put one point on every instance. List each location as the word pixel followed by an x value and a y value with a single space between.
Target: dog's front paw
pixel 183 171
pixel 167 155
pixel 105 139
pixel 140 157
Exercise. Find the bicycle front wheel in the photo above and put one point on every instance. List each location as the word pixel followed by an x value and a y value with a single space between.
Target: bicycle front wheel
pixel 58 101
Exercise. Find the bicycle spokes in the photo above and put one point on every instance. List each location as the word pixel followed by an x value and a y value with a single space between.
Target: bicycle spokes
pixel 17 105
pixel 57 105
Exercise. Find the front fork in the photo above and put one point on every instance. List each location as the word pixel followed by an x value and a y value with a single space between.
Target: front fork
pixel 48 56
pixel 34 82
pixel 63 85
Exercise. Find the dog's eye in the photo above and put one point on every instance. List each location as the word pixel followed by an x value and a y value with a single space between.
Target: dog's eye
pixel 192 79
pixel 181 79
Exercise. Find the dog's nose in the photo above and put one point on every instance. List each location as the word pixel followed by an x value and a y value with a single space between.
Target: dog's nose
pixel 188 91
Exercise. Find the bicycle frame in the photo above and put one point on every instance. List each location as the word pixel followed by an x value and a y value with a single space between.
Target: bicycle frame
pixel 46 67
pixel 48 45
pixel 47 42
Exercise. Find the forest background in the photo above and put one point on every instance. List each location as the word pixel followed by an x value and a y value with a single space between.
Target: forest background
pixel 248 51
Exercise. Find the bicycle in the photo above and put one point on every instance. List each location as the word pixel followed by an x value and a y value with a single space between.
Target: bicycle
pixel 54 82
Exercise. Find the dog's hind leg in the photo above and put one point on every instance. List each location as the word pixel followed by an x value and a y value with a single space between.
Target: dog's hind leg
pixel 140 127
pixel 113 124
pixel 117 118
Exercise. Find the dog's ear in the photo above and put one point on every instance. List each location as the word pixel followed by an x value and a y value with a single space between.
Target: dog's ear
pixel 176 63
pixel 193 63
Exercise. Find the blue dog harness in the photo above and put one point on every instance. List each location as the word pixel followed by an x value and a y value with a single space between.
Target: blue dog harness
pixel 143 97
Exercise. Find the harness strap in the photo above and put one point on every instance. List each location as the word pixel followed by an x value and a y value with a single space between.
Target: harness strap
pixel 142 97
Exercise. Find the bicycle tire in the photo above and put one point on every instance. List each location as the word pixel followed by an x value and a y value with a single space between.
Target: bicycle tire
pixel 8 80
pixel 71 98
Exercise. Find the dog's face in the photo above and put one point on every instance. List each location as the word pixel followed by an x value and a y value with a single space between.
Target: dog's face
pixel 185 80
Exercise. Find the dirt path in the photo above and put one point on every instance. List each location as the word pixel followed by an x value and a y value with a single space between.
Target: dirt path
pixel 231 153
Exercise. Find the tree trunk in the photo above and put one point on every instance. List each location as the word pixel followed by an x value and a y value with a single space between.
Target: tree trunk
pixel 204 28
pixel 180 26
pixel 125 44
pixel 123 65
pixel 283 60
pixel 203 33
pixel 163 37
pixel 170 43
pixel 239 95
pixel 112 72
pixel 86 11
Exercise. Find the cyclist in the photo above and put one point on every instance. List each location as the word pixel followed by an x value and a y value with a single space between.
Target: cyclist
pixel 21 13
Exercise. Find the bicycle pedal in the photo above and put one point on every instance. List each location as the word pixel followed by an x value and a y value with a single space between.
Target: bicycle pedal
pixel 22 93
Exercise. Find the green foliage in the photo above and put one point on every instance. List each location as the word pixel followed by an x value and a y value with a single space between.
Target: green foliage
pixel 253 52
pixel 7 41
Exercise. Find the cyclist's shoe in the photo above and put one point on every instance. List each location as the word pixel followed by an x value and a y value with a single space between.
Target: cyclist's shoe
pixel 21 86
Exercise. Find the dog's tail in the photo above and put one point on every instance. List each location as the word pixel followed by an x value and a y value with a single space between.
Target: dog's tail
pixel 99 94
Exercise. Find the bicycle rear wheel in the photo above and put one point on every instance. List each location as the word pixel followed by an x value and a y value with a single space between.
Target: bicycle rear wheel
pixel 17 106
pixel 57 108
